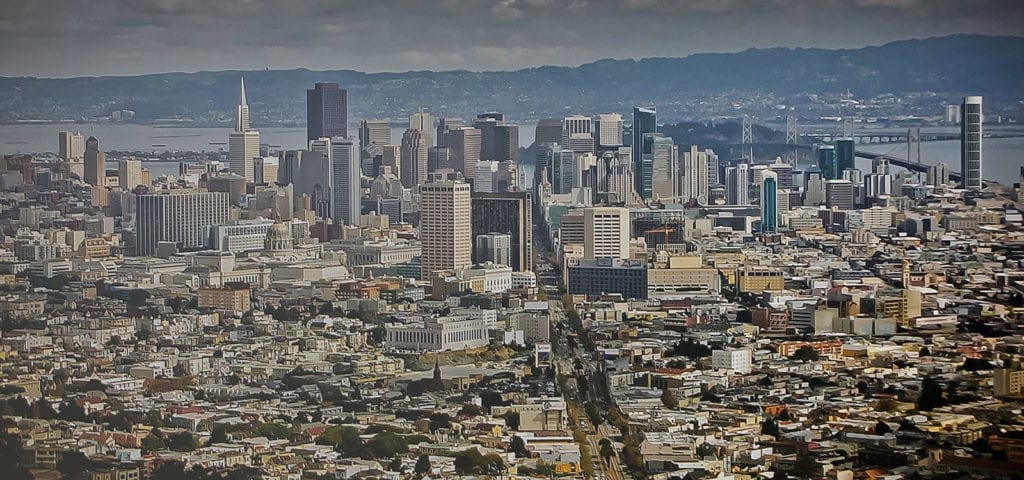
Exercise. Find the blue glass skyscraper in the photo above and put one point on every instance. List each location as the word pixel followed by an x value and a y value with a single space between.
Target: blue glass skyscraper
pixel 827 162
pixel 770 202
pixel 845 158
pixel 644 121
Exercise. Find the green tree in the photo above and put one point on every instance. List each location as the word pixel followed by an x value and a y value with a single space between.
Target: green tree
pixel 275 431
pixel 669 399
pixel 386 445
pixel 691 349
pixel 71 411
pixel 169 470
pixel 805 353
pixel 350 444
pixel 471 410
pixel 152 443
pixel 770 427
pixel 606 450
pixel 470 462
pixel 181 442
pixel 119 421
pixel 73 463
pixel 439 421
pixel 219 434
pixel 632 457
pixel 593 413
pixel 512 420
pixel 422 464
pixel 931 395
pixel 12 454
pixel 518 447
pixel 416 439
pixel 882 428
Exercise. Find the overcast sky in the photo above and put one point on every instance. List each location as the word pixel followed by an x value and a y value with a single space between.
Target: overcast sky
pixel 117 37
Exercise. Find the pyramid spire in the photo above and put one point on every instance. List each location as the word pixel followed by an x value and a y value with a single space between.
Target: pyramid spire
pixel 242 110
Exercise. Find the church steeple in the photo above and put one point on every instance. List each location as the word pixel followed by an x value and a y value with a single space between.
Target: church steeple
pixel 242 110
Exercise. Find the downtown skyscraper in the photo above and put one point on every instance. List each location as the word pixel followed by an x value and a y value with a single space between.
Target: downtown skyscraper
pixel 326 111
pixel 243 142
pixel 644 121
pixel 769 202
pixel 95 163
pixel 970 143
pixel 177 216
pixel 446 231
pixel 344 181
pixel 414 155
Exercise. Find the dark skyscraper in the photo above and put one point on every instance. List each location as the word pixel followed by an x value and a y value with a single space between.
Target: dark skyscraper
pixel 645 120
pixel 506 143
pixel 845 151
pixel 95 163
pixel 498 141
pixel 510 214
pixel 486 126
pixel 549 130
pixel 326 111
pixel 827 162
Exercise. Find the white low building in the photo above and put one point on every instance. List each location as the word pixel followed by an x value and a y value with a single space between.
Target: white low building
pixel 736 359
pixel 497 278
pixel 453 332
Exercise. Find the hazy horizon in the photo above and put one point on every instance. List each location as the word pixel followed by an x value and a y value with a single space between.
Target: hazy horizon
pixel 73 38
pixel 525 67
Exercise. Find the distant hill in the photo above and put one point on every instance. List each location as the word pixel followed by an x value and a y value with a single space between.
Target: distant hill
pixel 697 86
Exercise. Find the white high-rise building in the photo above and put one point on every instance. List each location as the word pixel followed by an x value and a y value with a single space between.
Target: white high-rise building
pixel 607 232
pixel 609 130
pixel 695 175
pixel 178 216
pixel 72 145
pixel 664 156
pixel 486 176
pixel 737 183
pixel 445 226
pixel 129 173
pixel 345 177
pixel 243 142
pixel 375 132
pixel 970 143
pixel 578 134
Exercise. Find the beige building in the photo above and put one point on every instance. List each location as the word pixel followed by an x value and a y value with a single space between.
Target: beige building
pixel 607 232
pixel 233 298
pixel 129 173
pixel 1008 381
pixel 445 227
pixel 757 280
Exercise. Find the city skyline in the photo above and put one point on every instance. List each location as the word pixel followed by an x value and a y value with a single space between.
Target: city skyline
pixel 160 36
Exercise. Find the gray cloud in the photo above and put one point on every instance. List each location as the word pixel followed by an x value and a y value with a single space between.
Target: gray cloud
pixel 92 37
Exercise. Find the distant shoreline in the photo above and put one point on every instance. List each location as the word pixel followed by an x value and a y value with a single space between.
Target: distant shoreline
pixel 153 124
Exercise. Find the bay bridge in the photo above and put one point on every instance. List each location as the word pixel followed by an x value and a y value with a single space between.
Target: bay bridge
pixel 752 135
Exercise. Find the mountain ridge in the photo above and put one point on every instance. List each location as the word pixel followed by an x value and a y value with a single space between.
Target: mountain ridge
pixel 950 66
